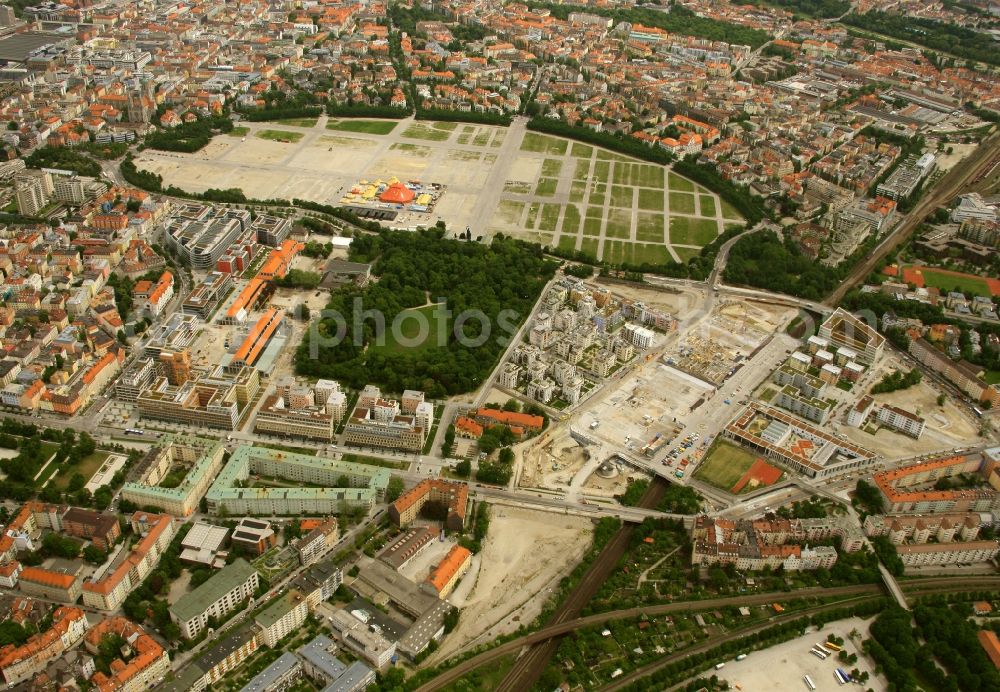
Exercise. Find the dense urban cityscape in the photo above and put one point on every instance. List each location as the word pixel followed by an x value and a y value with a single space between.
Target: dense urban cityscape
pixel 495 345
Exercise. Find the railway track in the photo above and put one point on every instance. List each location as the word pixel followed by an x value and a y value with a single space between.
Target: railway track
pixel 983 160
pixel 553 631
pixel 928 585
pixel 529 667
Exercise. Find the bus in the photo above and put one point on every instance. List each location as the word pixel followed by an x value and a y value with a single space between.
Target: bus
pixel 809 682
pixel 840 677
pixel 134 431
pixel 823 648
pixel 844 674
pixel 831 645
pixel 818 654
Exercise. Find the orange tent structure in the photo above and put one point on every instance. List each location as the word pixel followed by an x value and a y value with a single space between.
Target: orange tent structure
pixel 397 193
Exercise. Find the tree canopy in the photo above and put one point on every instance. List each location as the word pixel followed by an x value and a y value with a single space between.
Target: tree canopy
pixel 501 281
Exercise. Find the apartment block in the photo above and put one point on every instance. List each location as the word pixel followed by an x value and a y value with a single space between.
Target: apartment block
pixel 318 542
pixel 844 330
pixel 964 375
pixel 381 423
pixel 318 582
pixel 896 418
pixel 940 554
pixel 110 590
pixel 453 495
pixel 322 666
pixel 135 378
pixel 100 528
pixel 208 295
pixel 147 666
pixel 203 460
pixel 20 663
pixel 284 616
pixel 910 488
pixel 754 545
pixel 63 585
pixel 367 484
pixel 303 411
pixel 224 591
pixel 920 528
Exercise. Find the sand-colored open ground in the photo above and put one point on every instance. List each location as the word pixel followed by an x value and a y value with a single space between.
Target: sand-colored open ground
pixel 525 554
pixel 782 667
pixel 946 427
pixel 554 464
pixel 495 179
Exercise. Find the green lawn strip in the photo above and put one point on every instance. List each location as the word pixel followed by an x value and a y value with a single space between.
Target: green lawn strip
pixel 619 224
pixel 283 136
pixel 298 122
pixel 681 203
pixel 648 253
pixel 685 230
pixel 729 212
pixel 372 127
pixel 571 221
pixel 592 222
pixel 589 246
pixel 549 218
pixel 423 131
pixel 87 468
pixel 651 199
pixel 416 329
pixel 567 242
pixel 680 184
pixel 686 253
pixel 546 187
pixel 649 227
pixel 551 168
pixel 510 211
pixel 532 215
pixel 543 144
pixel 621 196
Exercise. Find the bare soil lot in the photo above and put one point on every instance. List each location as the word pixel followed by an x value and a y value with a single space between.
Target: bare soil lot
pixel 525 554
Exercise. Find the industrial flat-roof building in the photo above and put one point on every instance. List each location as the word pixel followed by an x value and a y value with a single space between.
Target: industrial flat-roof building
pixel 204 545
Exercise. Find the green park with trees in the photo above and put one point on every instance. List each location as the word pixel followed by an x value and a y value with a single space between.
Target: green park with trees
pixel 501 282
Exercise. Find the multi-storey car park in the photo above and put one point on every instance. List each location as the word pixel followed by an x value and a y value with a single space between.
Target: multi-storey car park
pixel 312 488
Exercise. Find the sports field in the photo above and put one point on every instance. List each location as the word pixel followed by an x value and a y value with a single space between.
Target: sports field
pixel 949 281
pixel 724 465
pixel 509 180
